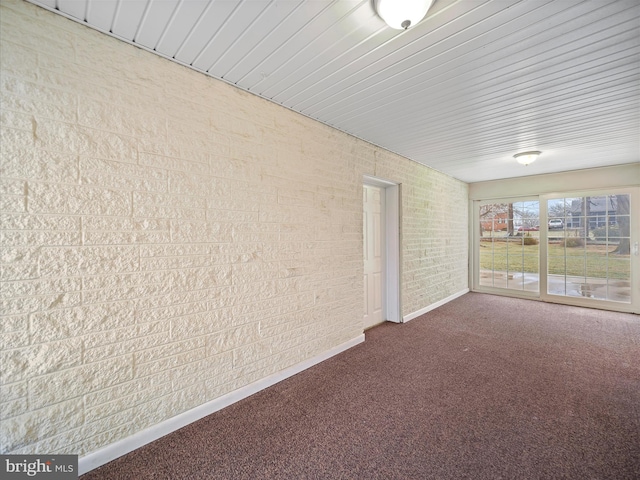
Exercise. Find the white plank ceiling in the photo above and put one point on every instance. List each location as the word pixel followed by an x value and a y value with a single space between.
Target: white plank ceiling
pixel 463 91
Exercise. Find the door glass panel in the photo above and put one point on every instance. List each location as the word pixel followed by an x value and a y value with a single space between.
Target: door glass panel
pixel 509 245
pixel 588 246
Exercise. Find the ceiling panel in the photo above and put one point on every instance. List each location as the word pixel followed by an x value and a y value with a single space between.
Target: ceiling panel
pixel 493 66
pixel 157 19
pixel 128 18
pixel 228 36
pixel 258 32
pixel 384 72
pixel 73 8
pixel 343 47
pixel 283 63
pixel 100 13
pixel 194 39
pixel 180 26
pixel 498 90
pixel 463 91
pixel 250 68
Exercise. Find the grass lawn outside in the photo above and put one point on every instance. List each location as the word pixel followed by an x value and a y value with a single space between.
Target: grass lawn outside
pixel 592 260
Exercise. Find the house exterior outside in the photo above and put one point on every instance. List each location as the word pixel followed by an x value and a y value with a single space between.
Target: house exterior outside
pixel 498 222
pixel 600 211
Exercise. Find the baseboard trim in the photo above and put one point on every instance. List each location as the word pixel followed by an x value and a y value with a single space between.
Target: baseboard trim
pixel 126 445
pixel 433 306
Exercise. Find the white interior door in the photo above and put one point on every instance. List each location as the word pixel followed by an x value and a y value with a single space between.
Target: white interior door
pixel 373 235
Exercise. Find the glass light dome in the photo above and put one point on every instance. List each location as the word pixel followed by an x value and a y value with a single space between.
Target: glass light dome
pixel 402 14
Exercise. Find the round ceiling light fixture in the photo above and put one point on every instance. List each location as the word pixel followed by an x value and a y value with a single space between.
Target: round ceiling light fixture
pixel 402 14
pixel 525 158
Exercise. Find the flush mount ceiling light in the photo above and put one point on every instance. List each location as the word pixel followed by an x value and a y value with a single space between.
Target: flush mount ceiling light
pixel 525 158
pixel 402 14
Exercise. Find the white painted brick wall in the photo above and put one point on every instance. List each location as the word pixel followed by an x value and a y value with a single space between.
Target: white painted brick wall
pixel 167 239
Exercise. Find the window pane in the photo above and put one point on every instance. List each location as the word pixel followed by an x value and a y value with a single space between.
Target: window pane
pixel 619 269
pixel 486 262
pixel 515 281
pixel 575 266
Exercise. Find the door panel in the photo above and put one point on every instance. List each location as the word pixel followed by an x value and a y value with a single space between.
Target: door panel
pixel 509 245
pixel 588 242
pixel 373 250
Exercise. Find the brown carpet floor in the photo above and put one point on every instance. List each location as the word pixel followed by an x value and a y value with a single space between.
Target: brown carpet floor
pixel 485 387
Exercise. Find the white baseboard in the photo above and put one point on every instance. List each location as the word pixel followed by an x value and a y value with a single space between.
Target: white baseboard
pixel 126 445
pixel 433 306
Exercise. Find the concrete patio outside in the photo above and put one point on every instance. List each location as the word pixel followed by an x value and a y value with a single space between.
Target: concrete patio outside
pixel 615 290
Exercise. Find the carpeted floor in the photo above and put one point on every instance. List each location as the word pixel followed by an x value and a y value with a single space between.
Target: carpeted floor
pixel 485 387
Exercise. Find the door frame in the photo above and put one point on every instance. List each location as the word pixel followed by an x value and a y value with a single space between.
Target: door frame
pixel 391 284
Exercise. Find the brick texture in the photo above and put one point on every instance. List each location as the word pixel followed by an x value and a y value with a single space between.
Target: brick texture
pixel 167 238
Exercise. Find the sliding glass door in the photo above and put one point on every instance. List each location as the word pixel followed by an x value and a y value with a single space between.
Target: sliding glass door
pixel 574 248
pixel 589 247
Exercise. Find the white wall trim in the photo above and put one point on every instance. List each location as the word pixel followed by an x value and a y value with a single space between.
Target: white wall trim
pixel 126 445
pixel 433 306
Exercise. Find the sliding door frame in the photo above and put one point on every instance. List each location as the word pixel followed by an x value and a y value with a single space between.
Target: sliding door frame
pixel 474 273
pixel 634 234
